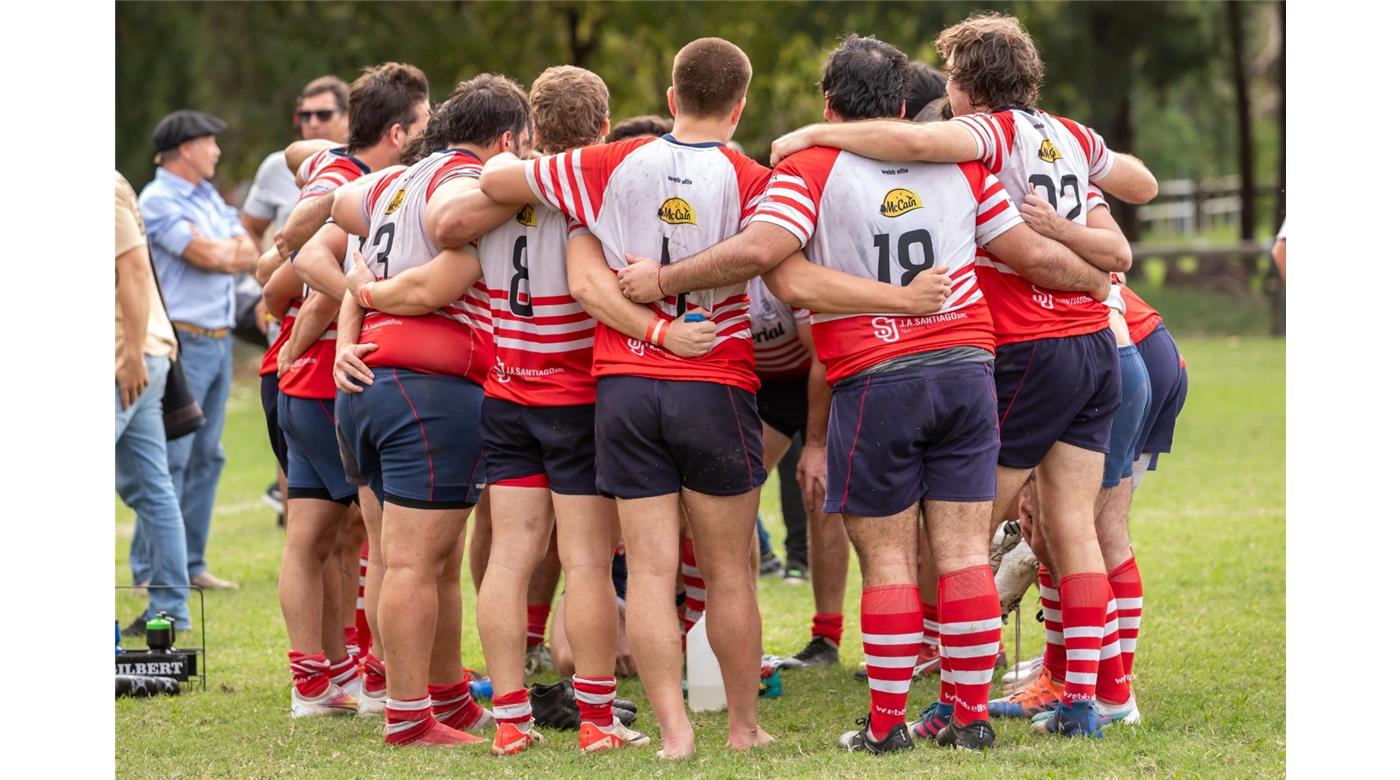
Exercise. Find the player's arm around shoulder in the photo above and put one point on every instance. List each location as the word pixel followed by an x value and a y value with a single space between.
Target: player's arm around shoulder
pixel 298 152
pixel 1048 263
pixel 348 207
pixel 505 180
pixel 803 284
pixel 885 139
pixel 459 213
pixel 1129 180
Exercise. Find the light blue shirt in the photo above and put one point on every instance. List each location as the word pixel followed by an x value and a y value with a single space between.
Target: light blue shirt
pixel 172 208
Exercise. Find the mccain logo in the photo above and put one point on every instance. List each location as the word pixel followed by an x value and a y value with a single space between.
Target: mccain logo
pixel 1048 152
pixel 526 216
pixel 900 201
pixel 676 211
pixel 395 202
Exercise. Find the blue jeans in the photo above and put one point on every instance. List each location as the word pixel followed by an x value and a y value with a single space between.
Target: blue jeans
pixel 143 481
pixel 196 460
pixel 765 544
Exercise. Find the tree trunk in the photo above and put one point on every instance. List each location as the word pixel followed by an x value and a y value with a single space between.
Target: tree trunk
pixel 580 47
pixel 1241 269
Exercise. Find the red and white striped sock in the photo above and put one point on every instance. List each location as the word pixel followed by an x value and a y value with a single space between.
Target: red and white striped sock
pixel 513 707
pixel 362 633
pixel 595 696
pixel 930 624
pixel 375 678
pixel 828 625
pixel 344 671
pixel 890 631
pixel 1083 597
pixel 453 705
pixel 536 617
pixel 1112 683
pixel 405 720
pixel 352 644
pixel 694 584
pixel 970 622
pixel 1054 628
pixel 1126 582
pixel 310 673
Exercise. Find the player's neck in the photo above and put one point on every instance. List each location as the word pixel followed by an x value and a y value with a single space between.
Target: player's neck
pixel 482 153
pixel 700 130
pixel 377 157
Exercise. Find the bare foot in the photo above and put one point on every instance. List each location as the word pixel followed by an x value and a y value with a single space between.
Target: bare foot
pixel 675 744
pixel 749 739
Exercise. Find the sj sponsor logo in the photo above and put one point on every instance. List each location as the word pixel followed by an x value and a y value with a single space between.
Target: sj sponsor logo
pixel 900 201
pixel 886 329
pixel 676 211
pixel 499 369
pixel 637 347
pixel 1045 299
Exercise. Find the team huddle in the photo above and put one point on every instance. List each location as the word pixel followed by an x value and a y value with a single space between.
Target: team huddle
pixel 603 349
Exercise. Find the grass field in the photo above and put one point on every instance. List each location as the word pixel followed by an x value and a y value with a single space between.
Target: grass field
pixel 1209 532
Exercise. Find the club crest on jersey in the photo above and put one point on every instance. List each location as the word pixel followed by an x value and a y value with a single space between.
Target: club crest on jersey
pixel 899 201
pixel 526 216
pixel 1048 152
pixel 395 202
pixel 676 211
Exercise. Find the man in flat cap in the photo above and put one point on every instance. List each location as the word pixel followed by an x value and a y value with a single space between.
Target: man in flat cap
pixel 199 248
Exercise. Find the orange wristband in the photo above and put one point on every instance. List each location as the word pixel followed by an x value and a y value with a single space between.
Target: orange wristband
pixel 656 331
pixel 363 296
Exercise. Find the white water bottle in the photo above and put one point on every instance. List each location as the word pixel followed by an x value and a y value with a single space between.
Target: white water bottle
pixel 704 685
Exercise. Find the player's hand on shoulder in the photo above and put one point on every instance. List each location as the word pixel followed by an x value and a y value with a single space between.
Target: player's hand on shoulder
pixel 789 144
pixel 1041 216
pixel 641 280
pixel 350 366
pixel 928 291
pixel 691 339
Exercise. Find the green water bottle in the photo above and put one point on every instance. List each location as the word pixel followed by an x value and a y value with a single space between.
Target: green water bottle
pixel 160 633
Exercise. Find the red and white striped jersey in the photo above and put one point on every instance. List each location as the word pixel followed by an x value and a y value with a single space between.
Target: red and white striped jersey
pixel 890 221
pixel 543 337
pixel 660 198
pixel 445 342
pixel 284 332
pixel 777 351
pixel 1142 319
pixel 1057 157
pixel 326 170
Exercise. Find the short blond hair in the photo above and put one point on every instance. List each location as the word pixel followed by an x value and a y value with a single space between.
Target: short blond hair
pixel 568 106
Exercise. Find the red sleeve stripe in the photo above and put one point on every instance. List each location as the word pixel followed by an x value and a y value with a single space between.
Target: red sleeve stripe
pixel 589 203
pixel 991 191
pixel 535 173
pixel 786 217
pixel 573 187
pixel 986 215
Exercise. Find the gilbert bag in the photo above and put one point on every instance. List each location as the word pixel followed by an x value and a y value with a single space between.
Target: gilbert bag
pixel 182 413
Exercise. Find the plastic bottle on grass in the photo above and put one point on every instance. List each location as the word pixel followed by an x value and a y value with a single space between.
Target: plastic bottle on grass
pixel 704 686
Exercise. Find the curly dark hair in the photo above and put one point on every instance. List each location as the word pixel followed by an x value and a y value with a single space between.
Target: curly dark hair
pixel 864 78
pixel 994 61
pixel 640 126
pixel 478 112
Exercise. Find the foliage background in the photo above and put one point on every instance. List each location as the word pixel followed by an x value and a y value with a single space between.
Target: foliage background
pixel 1153 77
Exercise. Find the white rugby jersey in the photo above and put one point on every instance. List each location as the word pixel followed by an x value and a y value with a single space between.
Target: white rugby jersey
pixel 327 170
pixel 1058 158
pixel 660 198
pixel 889 222
pixel 543 337
pixel 777 351
pixel 446 341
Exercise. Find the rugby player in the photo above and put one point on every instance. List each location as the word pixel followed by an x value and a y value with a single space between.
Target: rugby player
pixel 410 414
pixel 673 431
pixel 1057 374
pixel 388 105
pixel 913 421
pixel 537 433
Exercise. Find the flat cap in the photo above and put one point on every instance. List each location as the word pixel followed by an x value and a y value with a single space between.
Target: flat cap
pixel 180 126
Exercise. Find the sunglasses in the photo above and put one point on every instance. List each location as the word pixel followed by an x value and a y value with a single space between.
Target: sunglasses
pixel 323 115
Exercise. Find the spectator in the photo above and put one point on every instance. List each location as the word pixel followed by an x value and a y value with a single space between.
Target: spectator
pixel 322 112
pixel 1280 248
pixel 145 346
pixel 199 248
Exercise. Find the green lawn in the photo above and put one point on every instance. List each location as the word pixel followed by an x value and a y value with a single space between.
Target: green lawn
pixel 1209 530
